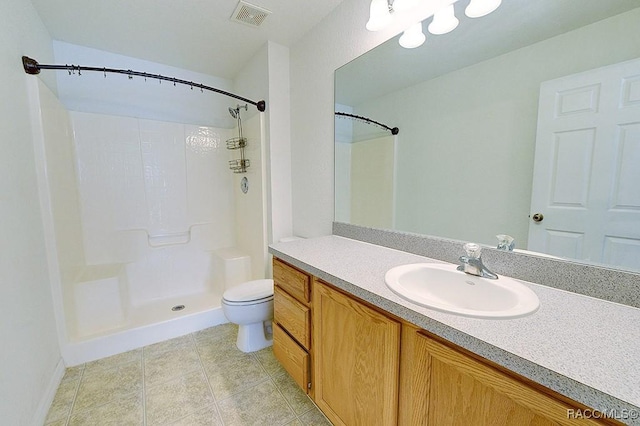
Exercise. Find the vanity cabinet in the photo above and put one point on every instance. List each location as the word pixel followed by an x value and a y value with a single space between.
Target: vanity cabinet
pixel 357 359
pixel 363 366
pixel 445 385
pixel 292 321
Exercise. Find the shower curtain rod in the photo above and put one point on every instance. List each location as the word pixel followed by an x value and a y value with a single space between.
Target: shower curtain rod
pixel 394 130
pixel 31 66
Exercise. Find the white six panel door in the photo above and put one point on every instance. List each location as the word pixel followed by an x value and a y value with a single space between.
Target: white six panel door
pixel 587 167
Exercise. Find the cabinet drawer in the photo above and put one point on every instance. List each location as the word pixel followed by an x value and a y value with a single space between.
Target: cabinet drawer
pixel 294 282
pixel 293 358
pixel 293 316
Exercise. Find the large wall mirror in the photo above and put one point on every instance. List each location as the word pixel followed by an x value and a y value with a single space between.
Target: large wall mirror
pixel 491 113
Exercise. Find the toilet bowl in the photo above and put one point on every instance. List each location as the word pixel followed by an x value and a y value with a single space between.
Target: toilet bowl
pixel 250 305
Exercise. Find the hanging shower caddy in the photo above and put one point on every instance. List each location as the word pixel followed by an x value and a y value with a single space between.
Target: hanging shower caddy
pixel 241 164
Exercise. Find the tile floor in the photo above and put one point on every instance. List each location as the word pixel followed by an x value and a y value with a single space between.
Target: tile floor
pixel 197 379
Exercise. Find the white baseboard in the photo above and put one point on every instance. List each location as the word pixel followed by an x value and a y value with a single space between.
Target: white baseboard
pixel 47 398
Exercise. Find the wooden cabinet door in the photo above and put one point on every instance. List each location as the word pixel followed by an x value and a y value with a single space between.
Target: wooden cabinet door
pixel 356 360
pixel 444 387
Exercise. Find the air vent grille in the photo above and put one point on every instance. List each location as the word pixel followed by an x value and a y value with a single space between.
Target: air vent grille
pixel 250 14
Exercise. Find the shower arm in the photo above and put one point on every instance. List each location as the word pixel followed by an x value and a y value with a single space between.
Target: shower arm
pixel 393 130
pixel 31 66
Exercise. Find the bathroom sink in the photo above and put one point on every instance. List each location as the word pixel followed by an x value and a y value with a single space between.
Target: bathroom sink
pixel 442 287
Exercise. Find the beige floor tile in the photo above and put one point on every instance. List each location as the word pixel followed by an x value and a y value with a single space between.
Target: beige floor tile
pixel 170 364
pixel 169 345
pixel 123 411
pixel 268 360
pixel 207 417
pixel 222 353
pixel 73 373
pixel 296 422
pixel 297 399
pixel 58 423
pixel 259 405
pixel 314 418
pixel 225 332
pixel 234 374
pixel 113 361
pixel 63 401
pixel 170 401
pixel 106 385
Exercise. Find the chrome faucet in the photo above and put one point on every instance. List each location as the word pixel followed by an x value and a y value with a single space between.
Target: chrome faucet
pixel 472 262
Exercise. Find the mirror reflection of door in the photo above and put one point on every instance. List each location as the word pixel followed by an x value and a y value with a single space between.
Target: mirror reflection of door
pixel 587 167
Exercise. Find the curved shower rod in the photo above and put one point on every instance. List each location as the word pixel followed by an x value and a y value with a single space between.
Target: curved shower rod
pixel 393 130
pixel 31 66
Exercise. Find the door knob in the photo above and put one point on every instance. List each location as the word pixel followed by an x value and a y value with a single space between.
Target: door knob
pixel 537 217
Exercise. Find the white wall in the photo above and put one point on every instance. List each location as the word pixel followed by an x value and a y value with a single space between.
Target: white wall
pixel 336 40
pixel 266 77
pixel 251 233
pixel 30 351
pixel 251 209
pixel 279 138
pixel 476 128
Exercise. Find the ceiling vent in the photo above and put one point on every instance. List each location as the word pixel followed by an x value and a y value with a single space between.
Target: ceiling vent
pixel 249 14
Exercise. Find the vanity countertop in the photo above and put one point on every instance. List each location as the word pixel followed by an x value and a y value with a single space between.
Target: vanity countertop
pixel 585 348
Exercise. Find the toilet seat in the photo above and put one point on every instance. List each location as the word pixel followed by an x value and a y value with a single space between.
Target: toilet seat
pixel 249 293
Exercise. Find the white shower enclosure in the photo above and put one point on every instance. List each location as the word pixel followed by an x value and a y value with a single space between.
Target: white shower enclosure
pixel 134 212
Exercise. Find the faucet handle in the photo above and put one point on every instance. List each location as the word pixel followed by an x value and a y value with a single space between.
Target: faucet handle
pixel 473 250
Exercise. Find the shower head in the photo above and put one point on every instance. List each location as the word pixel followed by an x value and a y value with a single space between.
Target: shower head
pixel 235 112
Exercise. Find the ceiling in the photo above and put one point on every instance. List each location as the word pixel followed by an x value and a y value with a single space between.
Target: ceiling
pixel 197 35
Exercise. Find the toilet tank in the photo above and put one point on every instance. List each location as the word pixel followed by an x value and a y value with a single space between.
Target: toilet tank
pixel 231 267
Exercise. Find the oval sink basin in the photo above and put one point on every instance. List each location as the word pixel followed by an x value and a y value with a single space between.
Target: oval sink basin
pixel 441 286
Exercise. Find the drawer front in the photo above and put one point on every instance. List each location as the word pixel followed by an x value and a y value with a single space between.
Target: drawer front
pixel 293 316
pixel 294 282
pixel 293 358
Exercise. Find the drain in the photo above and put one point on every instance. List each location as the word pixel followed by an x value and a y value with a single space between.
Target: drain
pixel 177 308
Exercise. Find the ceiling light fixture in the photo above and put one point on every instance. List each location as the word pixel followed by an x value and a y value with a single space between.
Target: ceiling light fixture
pixel 404 5
pixel 480 8
pixel 444 20
pixel 379 15
pixel 413 37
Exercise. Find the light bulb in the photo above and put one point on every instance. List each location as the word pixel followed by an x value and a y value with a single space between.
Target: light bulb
pixel 479 8
pixel 404 5
pixel 412 36
pixel 444 21
pixel 379 16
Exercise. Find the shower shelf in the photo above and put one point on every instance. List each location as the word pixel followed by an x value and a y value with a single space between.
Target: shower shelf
pixel 239 165
pixel 236 143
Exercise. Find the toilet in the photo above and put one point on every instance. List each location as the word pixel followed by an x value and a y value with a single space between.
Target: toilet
pixel 250 305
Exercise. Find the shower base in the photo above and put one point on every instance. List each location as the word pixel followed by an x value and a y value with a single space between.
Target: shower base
pixel 147 324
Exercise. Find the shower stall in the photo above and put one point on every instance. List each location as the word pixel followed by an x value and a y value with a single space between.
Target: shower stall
pixel 141 219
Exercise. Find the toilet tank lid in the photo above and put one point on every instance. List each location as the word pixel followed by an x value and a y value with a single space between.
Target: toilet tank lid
pixel 251 290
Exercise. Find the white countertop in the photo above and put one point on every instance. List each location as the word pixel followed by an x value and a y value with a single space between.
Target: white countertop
pixel 585 348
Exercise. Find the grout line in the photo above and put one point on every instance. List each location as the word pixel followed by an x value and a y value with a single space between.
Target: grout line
pixel 75 395
pixel 275 385
pixel 204 372
pixel 144 392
